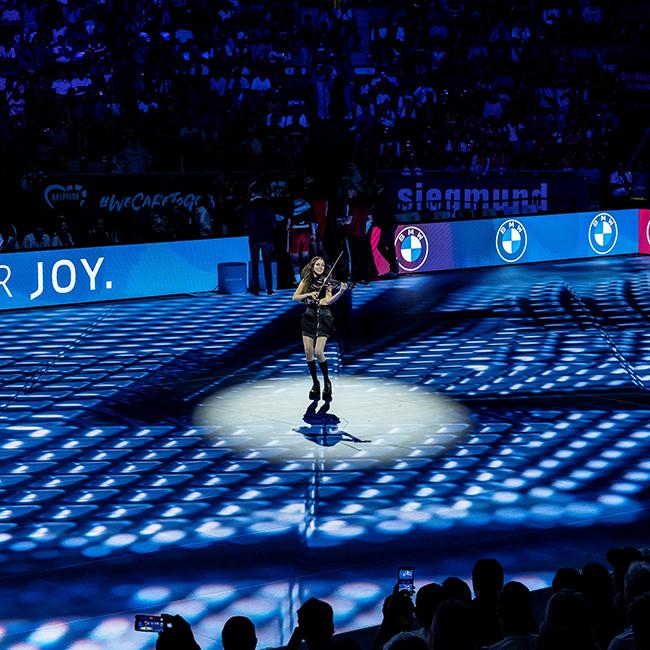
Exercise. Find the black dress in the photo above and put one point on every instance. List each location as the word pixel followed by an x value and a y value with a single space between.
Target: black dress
pixel 317 319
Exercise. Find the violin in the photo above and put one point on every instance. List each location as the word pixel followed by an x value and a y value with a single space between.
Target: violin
pixel 334 286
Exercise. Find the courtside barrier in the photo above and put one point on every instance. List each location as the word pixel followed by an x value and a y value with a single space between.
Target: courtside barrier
pixel 75 275
pixel 504 240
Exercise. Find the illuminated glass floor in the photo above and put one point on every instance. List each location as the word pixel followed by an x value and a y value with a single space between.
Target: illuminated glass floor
pixel 161 455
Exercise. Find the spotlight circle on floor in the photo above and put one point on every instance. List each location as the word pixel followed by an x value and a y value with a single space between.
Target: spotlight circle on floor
pixel 370 420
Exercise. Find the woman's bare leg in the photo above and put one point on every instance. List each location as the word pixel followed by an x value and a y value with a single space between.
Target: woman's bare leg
pixel 308 342
pixel 320 348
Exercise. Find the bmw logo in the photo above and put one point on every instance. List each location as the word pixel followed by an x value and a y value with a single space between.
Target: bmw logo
pixel 511 240
pixel 603 233
pixel 412 248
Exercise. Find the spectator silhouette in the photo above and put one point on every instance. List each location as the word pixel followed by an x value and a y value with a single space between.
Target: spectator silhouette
pixel 639 613
pixel 409 643
pixel 398 616
pixel 598 589
pixel 487 582
pixel 315 627
pixel 452 627
pixel 567 578
pixel 457 589
pixel 621 559
pixel 426 602
pixel 515 612
pixel 238 633
pixel 636 584
pixel 566 624
pixel 177 635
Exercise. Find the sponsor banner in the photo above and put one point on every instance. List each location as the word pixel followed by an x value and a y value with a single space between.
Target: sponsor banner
pixel 433 192
pixel 644 232
pixel 74 275
pixel 493 242
pixel 636 81
pixel 122 194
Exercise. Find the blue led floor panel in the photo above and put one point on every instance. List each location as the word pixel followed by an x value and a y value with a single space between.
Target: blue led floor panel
pixel 162 455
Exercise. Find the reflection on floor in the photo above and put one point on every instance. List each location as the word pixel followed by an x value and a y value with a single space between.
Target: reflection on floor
pixel 162 455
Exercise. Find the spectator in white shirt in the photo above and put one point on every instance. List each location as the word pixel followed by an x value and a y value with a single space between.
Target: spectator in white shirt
pixel 620 182
pixel 592 14
pixel 261 83
pixel 36 239
pixel 61 86
pixel 184 35
pixel 10 15
pixel 62 237
pixel 7 50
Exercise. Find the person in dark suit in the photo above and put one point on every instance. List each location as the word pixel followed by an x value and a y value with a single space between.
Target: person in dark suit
pixel 259 219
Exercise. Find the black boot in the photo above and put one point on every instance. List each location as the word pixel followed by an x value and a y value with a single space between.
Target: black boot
pixel 314 393
pixel 327 390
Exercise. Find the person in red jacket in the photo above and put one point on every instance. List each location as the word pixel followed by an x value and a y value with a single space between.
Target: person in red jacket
pixel 357 229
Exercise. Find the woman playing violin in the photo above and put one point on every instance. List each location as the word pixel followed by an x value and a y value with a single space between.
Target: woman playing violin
pixel 318 293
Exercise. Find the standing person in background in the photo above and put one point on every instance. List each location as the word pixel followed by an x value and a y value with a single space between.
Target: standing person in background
pixel 259 219
pixel 357 229
pixel 203 218
pixel 320 206
pixel 301 235
pixel 383 217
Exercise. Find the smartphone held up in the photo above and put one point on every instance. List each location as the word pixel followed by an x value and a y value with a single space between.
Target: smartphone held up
pixel 150 623
pixel 406 579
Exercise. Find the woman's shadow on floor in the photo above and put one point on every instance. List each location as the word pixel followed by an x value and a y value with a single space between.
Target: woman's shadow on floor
pixel 322 427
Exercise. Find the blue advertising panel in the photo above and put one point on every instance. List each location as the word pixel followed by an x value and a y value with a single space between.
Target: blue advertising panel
pixel 494 242
pixel 73 275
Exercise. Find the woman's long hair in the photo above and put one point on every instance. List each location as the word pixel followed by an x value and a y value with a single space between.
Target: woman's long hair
pixel 307 273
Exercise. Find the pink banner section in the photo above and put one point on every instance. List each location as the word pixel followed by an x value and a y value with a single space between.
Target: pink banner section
pixel 644 232
pixel 381 264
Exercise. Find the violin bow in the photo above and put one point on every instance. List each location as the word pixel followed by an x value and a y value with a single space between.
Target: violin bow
pixel 329 275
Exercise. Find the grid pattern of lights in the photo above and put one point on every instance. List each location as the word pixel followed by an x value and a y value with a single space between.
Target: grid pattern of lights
pixel 79 479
